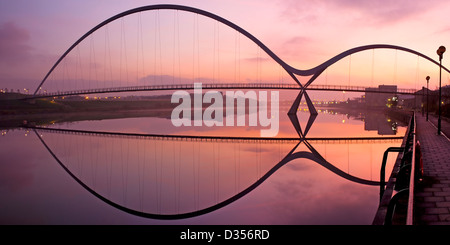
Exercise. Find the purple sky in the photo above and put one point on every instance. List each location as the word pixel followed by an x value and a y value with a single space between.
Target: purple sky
pixel 33 34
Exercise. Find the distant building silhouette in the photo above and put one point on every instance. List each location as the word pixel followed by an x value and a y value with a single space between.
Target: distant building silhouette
pixel 374 99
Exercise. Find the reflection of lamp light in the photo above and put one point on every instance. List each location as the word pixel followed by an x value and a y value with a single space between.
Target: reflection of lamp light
pixel 428 80
pixel 440 52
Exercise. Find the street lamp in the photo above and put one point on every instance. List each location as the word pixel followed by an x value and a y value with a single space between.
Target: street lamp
pixel 428 80
pixel 423 98
pixel 440 52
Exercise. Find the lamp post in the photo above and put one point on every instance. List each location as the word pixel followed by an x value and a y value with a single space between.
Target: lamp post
pixel 440 52
pixel 423 99
pixel 428 80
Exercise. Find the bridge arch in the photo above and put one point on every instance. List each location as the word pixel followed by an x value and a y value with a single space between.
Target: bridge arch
pixel 289 69
pixel 314 72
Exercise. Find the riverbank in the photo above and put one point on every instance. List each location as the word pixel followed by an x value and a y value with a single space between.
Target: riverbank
pixel 17 111
pixel 53 118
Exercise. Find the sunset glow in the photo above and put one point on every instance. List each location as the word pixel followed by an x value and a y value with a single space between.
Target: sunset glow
pixel 302 33
pixel 255 112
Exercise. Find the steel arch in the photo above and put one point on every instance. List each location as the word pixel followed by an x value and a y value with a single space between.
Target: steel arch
pixel 315 72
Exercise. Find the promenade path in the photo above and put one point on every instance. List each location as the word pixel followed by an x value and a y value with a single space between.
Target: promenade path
pixel 432 195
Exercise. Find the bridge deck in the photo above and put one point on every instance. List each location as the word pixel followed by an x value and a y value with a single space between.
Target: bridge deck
pixel 432 195
pixel 269 86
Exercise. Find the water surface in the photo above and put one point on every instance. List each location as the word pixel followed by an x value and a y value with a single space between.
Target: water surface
pixel 173 176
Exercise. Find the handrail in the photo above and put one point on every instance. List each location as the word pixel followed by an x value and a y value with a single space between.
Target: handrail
pixel 412 178
pixel 410 146
pixel 158 87
pixel 383 167
pixel 404 168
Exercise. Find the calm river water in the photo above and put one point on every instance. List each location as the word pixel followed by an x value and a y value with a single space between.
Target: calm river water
pixel 141 177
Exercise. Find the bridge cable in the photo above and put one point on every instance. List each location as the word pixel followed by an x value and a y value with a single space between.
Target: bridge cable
pixel 373 67
pixel 179 49
pixel 158 36
pixel 194 176
pixel 235 54
pixel 108 55
pixel 179 177
pixel 214 171
pixel 138 41
pixel 80 162
pixel 138 163
pixel 349 68
pixel 239 165
pixel 235 167
pixel 144 164
pixel 65 75
pixel 218 173
pixel 218 51
pixel 96 162
pixel 122 168
pixel 417 72
pixel 109 174
pixel 155 161
pixel 92 63
pixel 123 55
pixel 129 157
pixel 198 175
pixel 197 40
pixel 174 45
pixel 193 49
pixel 239 57
pixel 78 66
pixel 214 54
pixel 395 67
pixel 91 160
pixel 198 47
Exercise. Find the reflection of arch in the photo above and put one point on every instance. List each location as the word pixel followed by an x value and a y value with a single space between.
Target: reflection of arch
pixel 313 155
pixel 315 72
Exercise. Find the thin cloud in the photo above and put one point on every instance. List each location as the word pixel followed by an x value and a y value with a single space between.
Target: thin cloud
pixel 14 46
pixel 296 45
pixel 20 65
pixel 443 30
pixel 381 12
pixel 368 12
pixel 301 49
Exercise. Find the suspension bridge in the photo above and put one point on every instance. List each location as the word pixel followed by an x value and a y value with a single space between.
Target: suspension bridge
pixel 221 86
pixel 122 55
pixel 184 46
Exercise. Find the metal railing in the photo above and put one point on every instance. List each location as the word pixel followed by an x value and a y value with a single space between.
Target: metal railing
pixel 402 180
pixel 159 87
pixel 412 177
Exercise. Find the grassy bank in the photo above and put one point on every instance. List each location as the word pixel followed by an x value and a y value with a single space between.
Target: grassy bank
pixel 14 111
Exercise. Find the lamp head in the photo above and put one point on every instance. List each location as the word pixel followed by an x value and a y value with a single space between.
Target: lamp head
pixel 428 78
pixel 440 51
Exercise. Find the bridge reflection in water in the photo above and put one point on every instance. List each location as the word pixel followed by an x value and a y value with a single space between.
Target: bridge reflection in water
pixel 181 176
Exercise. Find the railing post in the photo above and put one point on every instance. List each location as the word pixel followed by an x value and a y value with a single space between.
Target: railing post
pixel 383 167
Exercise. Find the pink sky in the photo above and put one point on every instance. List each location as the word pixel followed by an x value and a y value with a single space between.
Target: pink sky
pixel 33 34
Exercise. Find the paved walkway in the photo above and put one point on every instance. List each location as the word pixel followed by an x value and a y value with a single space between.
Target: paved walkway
pixel 432 195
